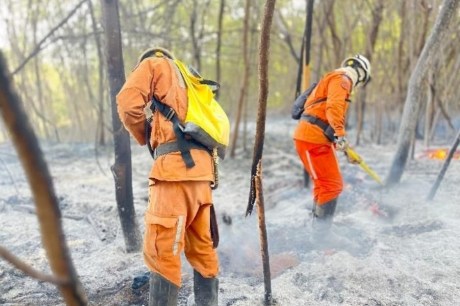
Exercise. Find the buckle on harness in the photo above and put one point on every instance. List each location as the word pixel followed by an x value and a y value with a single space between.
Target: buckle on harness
pixel 170 114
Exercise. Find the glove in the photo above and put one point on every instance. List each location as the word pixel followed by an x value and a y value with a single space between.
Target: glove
pixel 341 143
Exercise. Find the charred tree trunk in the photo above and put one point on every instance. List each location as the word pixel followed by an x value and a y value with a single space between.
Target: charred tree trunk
pixel 429 109
pixel 244 85
pixel 219 42
pixel 41 184
pixel 193 31
pixel 197 30
pixel 100 102
pixel 121 170
pixel 306 68
pixel 256 181
pixel 308 31
pixel 412 104
pixel 377 13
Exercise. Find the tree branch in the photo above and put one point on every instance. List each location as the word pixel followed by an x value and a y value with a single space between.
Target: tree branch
pixel 30 271
pixel 39 45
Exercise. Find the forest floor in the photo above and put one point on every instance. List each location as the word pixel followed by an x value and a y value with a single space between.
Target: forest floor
pixel 391 246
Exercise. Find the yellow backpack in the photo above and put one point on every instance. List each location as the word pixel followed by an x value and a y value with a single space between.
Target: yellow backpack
pixel 206 125
pixel 206 121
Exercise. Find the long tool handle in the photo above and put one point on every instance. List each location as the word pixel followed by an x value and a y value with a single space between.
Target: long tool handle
pixel 355 156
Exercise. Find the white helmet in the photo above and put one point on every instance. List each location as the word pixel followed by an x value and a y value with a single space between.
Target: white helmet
pixel 362 67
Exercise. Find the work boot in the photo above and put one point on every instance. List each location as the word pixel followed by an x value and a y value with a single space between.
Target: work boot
pixel 322 219
pixel 205 290
pixel 325 211
pixel 162 291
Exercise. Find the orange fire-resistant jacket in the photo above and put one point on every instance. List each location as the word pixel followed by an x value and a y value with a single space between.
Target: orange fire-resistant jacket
pixel 159 76
pixel 336 87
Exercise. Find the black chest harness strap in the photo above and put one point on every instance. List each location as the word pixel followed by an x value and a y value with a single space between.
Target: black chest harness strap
pixel 182 144
pixel 173 146
pixel 327 129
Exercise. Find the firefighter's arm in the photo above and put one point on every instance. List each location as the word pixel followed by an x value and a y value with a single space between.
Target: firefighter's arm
pixel 338 91
pixel 133 97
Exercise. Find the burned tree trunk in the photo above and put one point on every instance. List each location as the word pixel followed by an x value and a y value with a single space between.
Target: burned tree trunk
pixel 244 84
pixel 219 42
pixel 256 181
pixel 412 105
pixel 46 202
pixel 121 170
pixel 100 136
pixel 377 14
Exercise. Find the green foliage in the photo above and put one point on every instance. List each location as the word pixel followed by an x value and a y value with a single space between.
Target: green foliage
pixel 69 63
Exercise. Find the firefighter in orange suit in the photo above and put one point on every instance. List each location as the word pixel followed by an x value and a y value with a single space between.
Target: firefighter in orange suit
pixel 321 131
pixel 178 214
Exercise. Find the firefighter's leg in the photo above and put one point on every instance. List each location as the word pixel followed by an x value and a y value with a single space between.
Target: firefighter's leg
pixel 323 165
pixel 201 254
pixel 165 221
pixel 302 150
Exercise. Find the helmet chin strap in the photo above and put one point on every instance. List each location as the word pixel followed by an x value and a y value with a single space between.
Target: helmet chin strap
pixel 359 71
pixel 351 73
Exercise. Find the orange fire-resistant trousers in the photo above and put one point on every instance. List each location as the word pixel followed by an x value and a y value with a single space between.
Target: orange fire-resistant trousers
pixel 178 219
pixel 320 161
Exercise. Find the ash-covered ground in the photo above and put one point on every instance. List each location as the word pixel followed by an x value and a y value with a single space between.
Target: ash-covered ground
pixel 390 246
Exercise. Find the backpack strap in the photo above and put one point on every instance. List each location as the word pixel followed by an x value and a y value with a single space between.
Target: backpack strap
pixel 327 128
pixel 182 143
pixel 213 84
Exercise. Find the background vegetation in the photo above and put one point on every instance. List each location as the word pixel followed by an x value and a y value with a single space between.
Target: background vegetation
pixel 55 53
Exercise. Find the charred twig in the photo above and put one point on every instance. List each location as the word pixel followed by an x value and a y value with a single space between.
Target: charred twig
pixel 444 168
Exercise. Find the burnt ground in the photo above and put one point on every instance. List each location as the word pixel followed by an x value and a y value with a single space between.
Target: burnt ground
pixel 392 247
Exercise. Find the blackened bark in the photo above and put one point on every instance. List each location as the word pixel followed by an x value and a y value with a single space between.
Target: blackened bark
pixel 121 169
pixel 256 192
